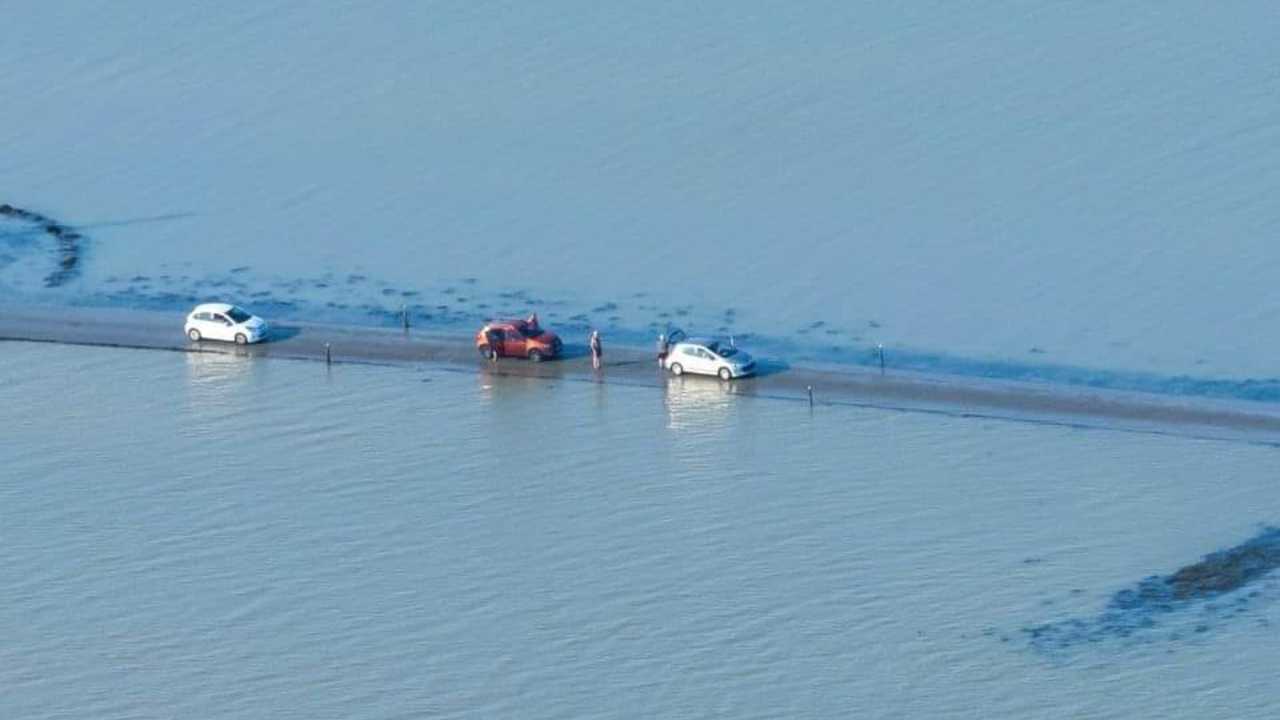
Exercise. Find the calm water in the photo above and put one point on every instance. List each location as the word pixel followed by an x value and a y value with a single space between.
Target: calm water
pixel 212 536
pixel 1047 183
pixel 1064 192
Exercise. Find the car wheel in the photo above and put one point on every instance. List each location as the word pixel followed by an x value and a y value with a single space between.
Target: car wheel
pixel 677 369
pixel 725 374
pixel 194 334
pixel 535 356
pixel 484 351
pixel 241 339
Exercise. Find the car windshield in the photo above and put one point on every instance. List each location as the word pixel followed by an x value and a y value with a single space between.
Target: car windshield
pixel 722 350
pixel 529 332
pixel 237 315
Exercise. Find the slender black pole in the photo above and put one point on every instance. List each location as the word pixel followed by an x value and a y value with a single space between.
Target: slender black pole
pixel 328 354
pixel 810 387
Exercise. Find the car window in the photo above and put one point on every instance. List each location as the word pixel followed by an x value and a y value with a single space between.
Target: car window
pixel 705 355
pixel 689 350
pixel 221 319
pixel 238 315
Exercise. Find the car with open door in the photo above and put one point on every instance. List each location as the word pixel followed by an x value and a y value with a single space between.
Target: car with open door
pixel 704 356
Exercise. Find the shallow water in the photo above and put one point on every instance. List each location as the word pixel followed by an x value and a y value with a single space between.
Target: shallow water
pixel 1061 193
pixel 214 536
pixel 1043 184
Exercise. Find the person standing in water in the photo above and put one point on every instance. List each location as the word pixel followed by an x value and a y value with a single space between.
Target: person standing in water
pixel 597 350
pixel 491 336
pixel 662 350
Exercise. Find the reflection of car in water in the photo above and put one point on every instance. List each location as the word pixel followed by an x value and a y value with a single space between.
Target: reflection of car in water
pixel 220 321
pixel 708 357
pixel 222 378
pixel 698 406
pixel 519 339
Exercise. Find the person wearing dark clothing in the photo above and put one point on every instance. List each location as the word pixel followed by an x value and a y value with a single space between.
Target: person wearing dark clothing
pixel 495 343
pixel 597 350
pixel 663 349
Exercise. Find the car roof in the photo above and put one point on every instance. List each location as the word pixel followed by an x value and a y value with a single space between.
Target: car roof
pixel 703 341
pixel 507 323
pixel 212 307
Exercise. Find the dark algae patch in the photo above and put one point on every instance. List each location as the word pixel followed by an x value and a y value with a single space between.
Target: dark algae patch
pixel 67 245
pixel 1227 570
pixel 1198 591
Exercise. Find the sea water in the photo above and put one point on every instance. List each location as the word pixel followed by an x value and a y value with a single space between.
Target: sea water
pixel 1036 183
pixel 213 536
pixel 1066 193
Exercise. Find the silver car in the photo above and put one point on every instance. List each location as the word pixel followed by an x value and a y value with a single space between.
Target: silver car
pixel 709 357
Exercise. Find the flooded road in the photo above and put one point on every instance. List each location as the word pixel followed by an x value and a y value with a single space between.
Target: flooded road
pixel 896 390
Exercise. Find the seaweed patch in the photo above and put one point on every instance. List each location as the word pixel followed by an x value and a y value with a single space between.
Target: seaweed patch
pixel 66 243
pixel 1196 594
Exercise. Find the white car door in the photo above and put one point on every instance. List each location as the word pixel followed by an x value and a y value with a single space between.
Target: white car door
pixel 714 363
pixel 207 328
pixel 687 358
pixel 710 363
pixel 221 328
pixel 699 360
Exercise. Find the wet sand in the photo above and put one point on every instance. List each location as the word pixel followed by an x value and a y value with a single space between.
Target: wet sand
pixel 893 390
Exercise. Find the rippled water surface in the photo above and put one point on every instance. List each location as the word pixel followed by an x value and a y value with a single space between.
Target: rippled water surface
pixel 213 536
pixel 1042 183
pixel 1069 193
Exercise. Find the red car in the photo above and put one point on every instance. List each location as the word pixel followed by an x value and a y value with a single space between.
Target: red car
pixel 520 339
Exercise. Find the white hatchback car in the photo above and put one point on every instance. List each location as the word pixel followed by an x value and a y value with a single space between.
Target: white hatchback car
pixel 709 357
pixel 220 321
